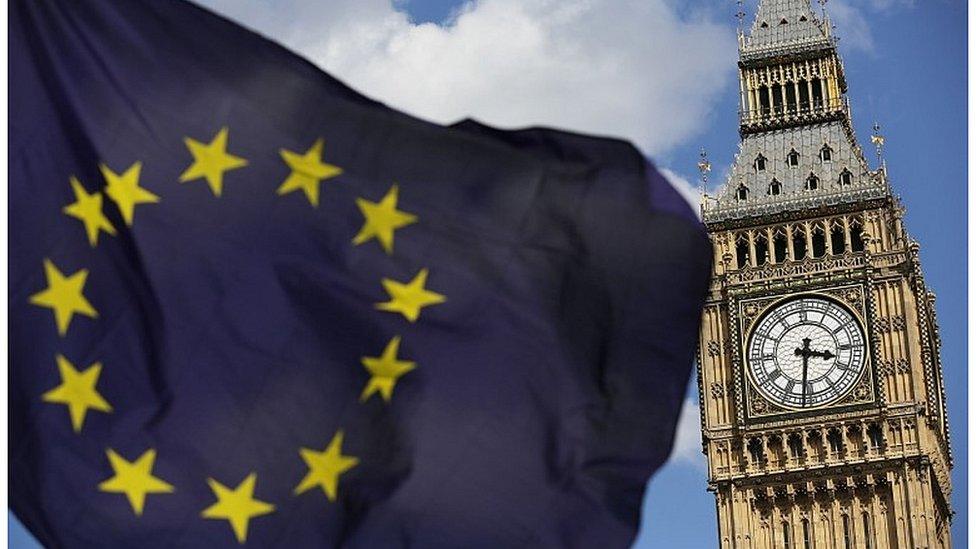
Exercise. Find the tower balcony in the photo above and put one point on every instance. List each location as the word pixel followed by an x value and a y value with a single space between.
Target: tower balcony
pixel 793 114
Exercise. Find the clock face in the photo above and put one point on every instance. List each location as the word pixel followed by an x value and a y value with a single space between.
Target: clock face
pixel 806 352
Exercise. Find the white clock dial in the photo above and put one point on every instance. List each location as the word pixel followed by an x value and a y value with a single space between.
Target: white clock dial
pixel 806 352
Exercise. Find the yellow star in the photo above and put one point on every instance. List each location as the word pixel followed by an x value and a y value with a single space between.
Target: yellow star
pixel 125 191
pixel 134 479
pixel 88 209
pixel 307 171
pixel 237 506
pixel 325 467
pixel 210 161
pixel 77 392
pixel 382 218
pixel 407 299
pixel 64 296
pixel 385 371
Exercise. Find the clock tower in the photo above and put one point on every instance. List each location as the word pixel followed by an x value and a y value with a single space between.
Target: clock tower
pixel 822 401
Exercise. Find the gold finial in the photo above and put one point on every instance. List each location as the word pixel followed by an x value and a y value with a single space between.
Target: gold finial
pixel 704 166
pixel 740 14
pixel 823 7
pixel 879 141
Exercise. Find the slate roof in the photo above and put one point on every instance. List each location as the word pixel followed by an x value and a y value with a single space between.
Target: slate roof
pixel 784 26
pixel 775 146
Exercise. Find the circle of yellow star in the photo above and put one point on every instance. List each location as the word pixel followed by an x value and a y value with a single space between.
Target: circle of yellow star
pixel 134 479
pixel 125 191
pixel 77 391
pixel 325 467
pixel 307 171
pixel 407 299
pixel 88 209
pixel 385 371
pixel 64 296
pixel 237 506
pixel 211 160
pixel 382 218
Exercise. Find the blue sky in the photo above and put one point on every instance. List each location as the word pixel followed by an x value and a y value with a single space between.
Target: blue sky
pixel 906 65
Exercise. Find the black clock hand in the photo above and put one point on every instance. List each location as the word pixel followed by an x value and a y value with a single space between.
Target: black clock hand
pixel 806 354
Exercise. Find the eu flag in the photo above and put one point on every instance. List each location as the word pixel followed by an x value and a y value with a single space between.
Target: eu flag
pixel 250 306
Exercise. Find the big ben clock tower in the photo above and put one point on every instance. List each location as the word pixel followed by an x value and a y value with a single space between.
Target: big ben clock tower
pixel 822 401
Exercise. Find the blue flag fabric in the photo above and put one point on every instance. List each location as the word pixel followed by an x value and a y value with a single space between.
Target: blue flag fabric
pixel 250 306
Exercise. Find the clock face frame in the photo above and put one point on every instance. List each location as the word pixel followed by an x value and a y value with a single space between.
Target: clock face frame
pixel 812 330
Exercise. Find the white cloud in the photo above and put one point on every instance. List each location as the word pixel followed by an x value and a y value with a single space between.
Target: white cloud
pixel 687 438
pixel 635 69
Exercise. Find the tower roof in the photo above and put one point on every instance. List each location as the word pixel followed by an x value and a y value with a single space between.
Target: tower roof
pixel 783 26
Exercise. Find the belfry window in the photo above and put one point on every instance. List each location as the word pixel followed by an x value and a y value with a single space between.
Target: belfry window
pixel 775 188
pixel 760 163
pixel 764 99
pixel 817 92
pixel 787 542
pixel 777 98
pixel 793 158
pixel 846 177
pixel 804 96
pixel 826 153
pixel 742 193
pixel 791 99
pixel 806 534
pixel 812 183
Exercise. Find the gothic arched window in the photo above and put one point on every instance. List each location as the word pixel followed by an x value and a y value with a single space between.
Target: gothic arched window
pixel 742 251
pixel 806 534
pixel 793 158
pixel 846 177
pixel 826 153
pixel 780 247
pixel 875 436
pixel 775 188
pixel 755 448
pixel 787 542
pixel 762 249
pixel 857 236
pixel 819 241
pixel 837 244
pixel 760 163
pixel 848 542
pixel 835 441
pixel 812 183
pixel 799 243
pixel 742 193
pixel 868 534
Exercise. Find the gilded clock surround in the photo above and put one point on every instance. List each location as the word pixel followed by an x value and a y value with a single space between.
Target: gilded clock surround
pixel 757 406
pixel 870 470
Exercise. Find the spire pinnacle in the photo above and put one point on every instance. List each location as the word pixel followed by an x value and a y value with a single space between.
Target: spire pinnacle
pixel 878 140
pixel 704 166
